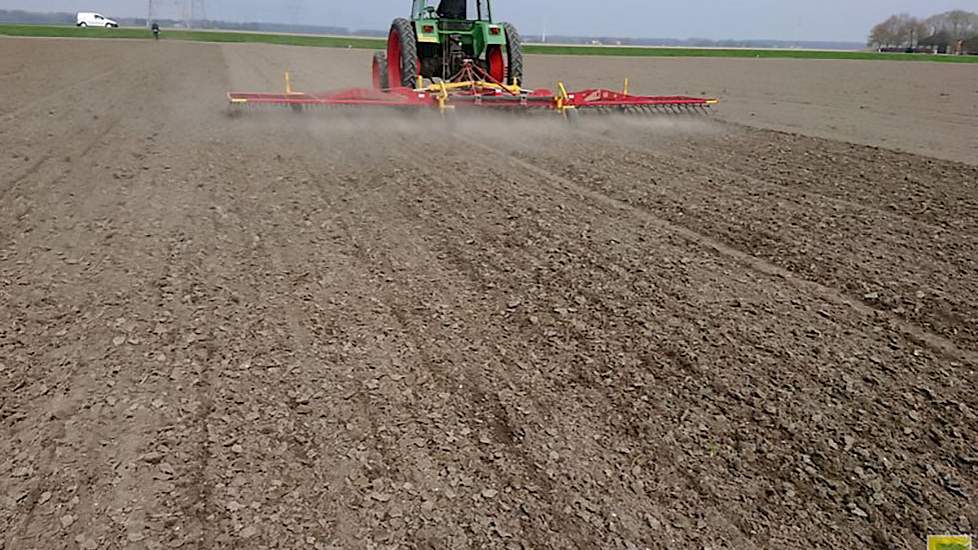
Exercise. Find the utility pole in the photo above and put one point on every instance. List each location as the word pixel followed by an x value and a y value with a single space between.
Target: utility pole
pixel 185 15
pixel 197 11
pixel 149 13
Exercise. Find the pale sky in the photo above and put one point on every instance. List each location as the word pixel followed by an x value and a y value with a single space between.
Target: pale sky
pixel 835 20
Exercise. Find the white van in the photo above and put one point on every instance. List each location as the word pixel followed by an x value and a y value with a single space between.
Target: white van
pixel 88 19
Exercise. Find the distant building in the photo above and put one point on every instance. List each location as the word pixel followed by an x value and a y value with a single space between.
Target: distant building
pixel 970 46
pixel 939 42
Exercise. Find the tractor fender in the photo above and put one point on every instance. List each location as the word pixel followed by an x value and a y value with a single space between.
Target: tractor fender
pixel 493 34
pixel 427 31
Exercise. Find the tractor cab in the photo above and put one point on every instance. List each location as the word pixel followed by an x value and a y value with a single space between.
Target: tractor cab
pixel 452 9
pixel 441 37
pixel 458 10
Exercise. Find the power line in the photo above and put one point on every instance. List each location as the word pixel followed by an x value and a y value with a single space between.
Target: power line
pixel 187 11
pixel 198 10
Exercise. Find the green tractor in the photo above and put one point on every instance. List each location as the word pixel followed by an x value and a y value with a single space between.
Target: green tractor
pixel 439 40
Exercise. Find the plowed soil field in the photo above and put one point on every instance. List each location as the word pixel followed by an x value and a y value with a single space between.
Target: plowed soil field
pixel 754 330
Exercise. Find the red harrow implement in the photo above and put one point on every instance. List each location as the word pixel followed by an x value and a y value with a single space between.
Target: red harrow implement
pixel 475 89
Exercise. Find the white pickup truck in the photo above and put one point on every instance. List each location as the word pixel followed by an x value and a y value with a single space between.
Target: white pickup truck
pixel 89 19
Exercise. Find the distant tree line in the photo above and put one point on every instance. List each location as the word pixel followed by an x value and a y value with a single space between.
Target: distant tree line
pixel 691 42
pixel 950 32
pixel 33 18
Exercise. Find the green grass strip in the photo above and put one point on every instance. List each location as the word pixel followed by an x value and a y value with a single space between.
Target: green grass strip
pixel 376 44
pixel 194 36
pixel 624 51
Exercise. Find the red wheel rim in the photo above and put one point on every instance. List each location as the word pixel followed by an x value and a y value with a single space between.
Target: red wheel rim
pixel 497 67
pixel 394 59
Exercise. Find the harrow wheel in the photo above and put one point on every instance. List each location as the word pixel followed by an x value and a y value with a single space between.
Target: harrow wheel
pixel 380 71
pixel 402 55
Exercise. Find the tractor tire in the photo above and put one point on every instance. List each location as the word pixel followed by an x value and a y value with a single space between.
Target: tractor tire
pixel 402 55
pixel 380 71
pixel 514 52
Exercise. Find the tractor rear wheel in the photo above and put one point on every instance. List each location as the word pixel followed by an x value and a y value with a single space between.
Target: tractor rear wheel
pixel 514 52
pixel 380 71
pixel 402 55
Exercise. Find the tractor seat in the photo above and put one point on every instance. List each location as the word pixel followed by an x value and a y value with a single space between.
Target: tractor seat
pixel 452 9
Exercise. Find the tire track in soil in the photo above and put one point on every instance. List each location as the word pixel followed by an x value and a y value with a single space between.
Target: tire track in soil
pixel 48 471
pixel 693 154
pixel 410 317
pixel 182 289
pixel 937 311
pixel 735 526
pixel 738 174
pixel 280 301
pixel 11 74
pixel 293 353
pixel 40 100
pixel 796 160
pixel 75 378
pixel 210 303
pixel 476 277
pixel 106 121
pixel 913 331
pixel 100 135
pixel 948 316
pixel 106 128
pixel 251 207
pixel 250 298
pixel 36 68
pixel 956 212
pixel 152 200
pixel 964 451
pixel 191 304
pixel 473 389
pixel 750 260
pixel 367 257
pixel 420 343
pixel 201 302
pixel 662 452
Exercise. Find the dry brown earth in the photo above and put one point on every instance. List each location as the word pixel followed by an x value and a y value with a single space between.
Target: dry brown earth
pixel 281 331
